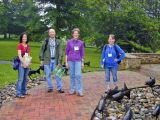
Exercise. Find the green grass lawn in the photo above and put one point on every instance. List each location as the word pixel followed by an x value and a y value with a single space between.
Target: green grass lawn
pixel 8 51
pixel 8 75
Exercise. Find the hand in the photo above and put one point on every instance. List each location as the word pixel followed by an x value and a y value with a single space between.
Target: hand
pixel 82 65
pixel 24 65
pixel 67 65
pixel 59 65
pixel 42 63
pixel 116 60
pixel 29 64
pixel 102 66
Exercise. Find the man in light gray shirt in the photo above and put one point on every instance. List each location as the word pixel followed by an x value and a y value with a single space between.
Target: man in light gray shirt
pixel 50 57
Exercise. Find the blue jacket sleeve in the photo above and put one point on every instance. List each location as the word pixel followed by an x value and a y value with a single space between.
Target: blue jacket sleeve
pixel 121 52
pixel 103 55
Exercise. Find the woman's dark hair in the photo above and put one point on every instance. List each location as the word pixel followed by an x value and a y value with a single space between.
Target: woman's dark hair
pixel 21 36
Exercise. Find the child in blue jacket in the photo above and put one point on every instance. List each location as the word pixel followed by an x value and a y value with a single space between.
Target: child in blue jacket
pixel 112 54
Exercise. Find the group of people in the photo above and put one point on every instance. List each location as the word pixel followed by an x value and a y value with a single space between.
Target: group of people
pixel 51 57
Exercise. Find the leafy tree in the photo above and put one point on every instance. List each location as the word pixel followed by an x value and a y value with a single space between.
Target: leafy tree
pixel 64 15
pixel 135 23
pixel 3 18
pixel 127 20
pixel 33 21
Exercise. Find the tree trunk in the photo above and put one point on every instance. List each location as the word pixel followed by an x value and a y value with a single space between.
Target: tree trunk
pixel 59 4
pixel 58 18
pixel 5 35
pixel 9 36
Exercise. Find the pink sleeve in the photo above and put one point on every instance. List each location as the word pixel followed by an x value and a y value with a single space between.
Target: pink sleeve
pixel 19 47
pixel 29 49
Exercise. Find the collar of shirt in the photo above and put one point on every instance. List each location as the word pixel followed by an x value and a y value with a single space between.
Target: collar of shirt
pixel 51 38
pixel 52 42
pixel 110 45
pixel 75 40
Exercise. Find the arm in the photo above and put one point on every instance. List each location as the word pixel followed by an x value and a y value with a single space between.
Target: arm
pixel 121 52
pixel 20 56
pixel 22 60
pixel 41 56
pixel 82 52
pixel 28 50
pixel 19 52
pixel 66 57
pixel 59 53
pixel 103 55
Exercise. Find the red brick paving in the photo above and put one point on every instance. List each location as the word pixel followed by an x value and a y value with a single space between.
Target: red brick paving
pixel 41 105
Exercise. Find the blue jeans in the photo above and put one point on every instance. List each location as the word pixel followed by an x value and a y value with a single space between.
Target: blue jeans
pixel 113 70
pixel 48 69
pixel 22 80
pixel 75 76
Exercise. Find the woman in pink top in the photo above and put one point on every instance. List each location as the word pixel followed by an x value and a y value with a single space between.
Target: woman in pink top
pixel 23 69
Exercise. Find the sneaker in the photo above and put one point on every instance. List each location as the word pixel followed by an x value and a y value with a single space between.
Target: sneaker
pixel 50 90
pixel 26 94
pixel 20 96
pixel 80 94
pixel 108 88
pixel 60 91
pixel 72 92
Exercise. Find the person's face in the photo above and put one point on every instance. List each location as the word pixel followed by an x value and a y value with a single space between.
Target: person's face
pixel 24 38
pixel 111 40
pixel 75 34
pixel 52 33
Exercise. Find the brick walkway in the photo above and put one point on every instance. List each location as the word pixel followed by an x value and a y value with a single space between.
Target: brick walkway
pixel 41 105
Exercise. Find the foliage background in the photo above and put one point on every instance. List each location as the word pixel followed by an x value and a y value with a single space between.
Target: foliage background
pixel 136 23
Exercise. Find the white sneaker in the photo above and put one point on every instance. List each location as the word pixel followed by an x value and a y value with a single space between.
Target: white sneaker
pixel 72 92
pixel 108 88
pixel 80 94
